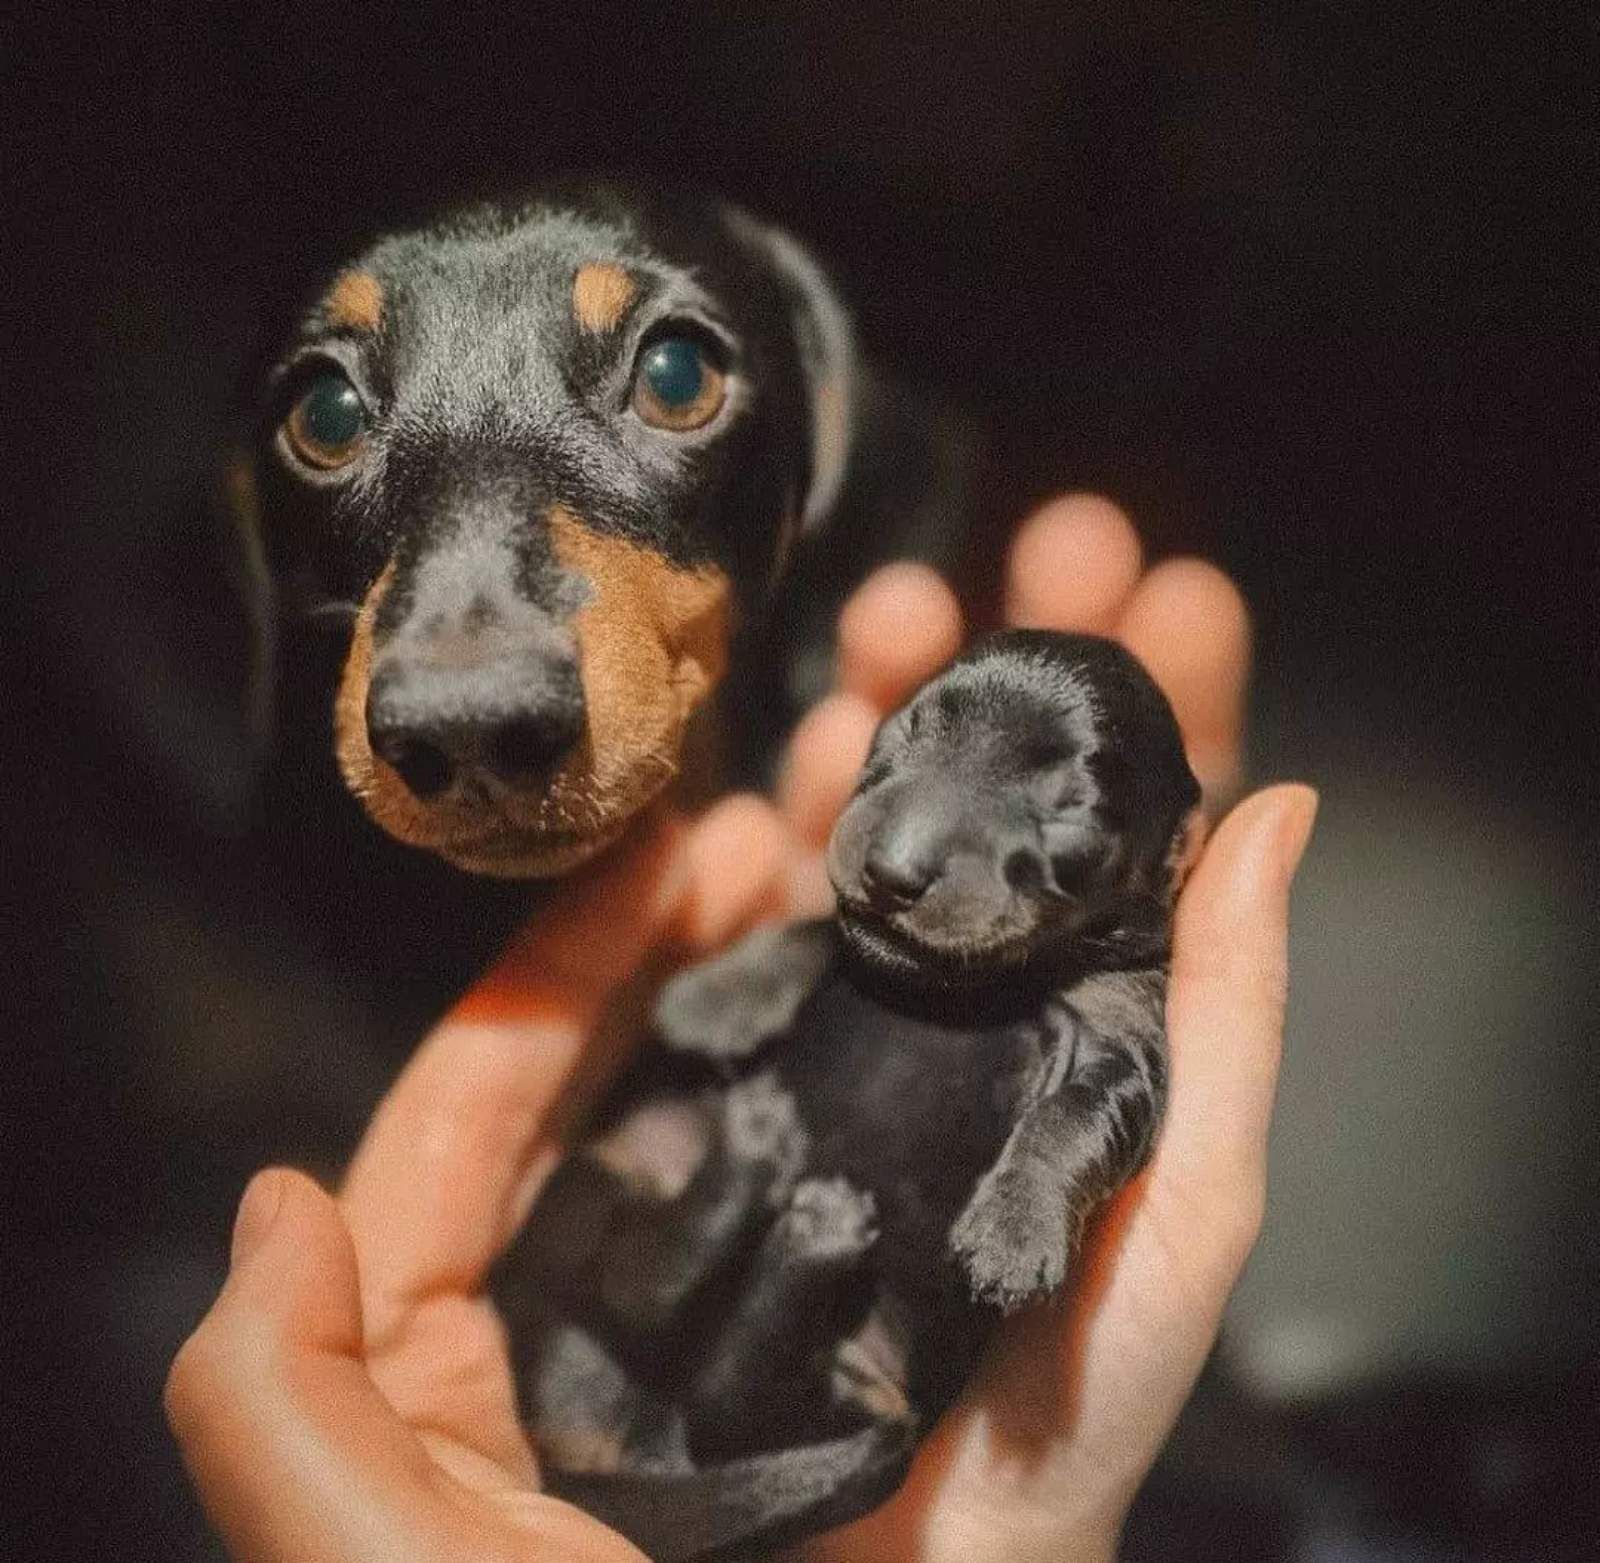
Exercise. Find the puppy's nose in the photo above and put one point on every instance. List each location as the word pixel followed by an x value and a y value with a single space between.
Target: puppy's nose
pixel 511 720
pixel 897 871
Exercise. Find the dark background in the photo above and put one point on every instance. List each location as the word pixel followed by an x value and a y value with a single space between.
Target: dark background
pixel 1312 293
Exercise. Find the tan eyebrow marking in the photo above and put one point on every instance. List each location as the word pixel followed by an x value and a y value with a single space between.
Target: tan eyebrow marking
pixel 356 301
pixel 601 294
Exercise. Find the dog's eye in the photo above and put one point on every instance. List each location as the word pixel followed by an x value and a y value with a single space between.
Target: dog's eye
pixel 328 425
pixel 676 385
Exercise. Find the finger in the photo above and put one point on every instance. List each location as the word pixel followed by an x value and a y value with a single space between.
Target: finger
pixel 810 888
pixel 823 762
pixel 1190 627
pixel 435 1186
pixel 899 628
pixel 592 932
pixel 1072 566
pixel 294 1452
pixel 1225 1006
pixel 739 856
pixel 431 1195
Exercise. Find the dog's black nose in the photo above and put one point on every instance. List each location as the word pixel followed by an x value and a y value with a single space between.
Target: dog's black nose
pixel 511 720
pixel 897 871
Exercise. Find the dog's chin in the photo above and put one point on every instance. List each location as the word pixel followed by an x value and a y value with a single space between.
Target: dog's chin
pixel 888 947
pixel 527 854
pixel 495 843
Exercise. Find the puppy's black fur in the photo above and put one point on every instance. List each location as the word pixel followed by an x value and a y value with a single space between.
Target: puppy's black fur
pixel 515 587
pixel 741 1304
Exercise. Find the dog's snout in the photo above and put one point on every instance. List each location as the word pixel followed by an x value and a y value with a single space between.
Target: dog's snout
pixel 422 759
pixel 894 881
pixel 902 861
pixel 1023 869
pixel 509 720
pixel 532 743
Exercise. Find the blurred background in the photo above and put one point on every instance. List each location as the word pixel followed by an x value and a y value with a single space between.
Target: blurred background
pixel 1312 292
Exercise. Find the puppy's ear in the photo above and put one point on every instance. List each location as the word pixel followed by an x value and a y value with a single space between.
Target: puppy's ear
pixel 827 357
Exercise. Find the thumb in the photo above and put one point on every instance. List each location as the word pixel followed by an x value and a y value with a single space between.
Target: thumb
pixel 592 932
pixel 293 1450
pixel 1225 1005
pixel 292 1266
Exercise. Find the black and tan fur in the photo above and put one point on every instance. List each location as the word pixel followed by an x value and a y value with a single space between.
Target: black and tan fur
pixel 555 603
pixel 740 1305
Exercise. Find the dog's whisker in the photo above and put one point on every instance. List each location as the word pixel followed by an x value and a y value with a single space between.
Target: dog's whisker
pixel 333 611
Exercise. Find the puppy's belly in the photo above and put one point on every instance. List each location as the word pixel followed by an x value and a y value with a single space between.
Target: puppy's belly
pixel 909 1110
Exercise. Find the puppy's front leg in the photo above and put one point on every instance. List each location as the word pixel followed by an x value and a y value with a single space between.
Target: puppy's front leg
pixel 726 1008
pixel 1090 1128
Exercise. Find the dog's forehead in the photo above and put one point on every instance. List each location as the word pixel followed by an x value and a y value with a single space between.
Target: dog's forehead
pixel 499 298
pixel 1031 706
pixel 489 270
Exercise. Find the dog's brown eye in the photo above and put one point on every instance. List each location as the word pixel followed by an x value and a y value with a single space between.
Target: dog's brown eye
pixel 328 425
pixel 676 386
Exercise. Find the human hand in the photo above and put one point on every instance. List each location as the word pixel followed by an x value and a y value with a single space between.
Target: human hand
pixel 349 1395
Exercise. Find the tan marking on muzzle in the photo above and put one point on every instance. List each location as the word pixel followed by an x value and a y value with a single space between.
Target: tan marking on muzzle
pixel 380 791
pixel 356 302
pixel 601 294
pixel 652 645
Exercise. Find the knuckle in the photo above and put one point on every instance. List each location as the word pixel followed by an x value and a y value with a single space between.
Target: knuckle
pixel 235 1349
pixel 192 1378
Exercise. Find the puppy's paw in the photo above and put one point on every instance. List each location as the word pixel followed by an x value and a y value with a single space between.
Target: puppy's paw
pixel 727 1007
pixel 584 1403
pixel 761 1127
pixel 708 1010
pixel 1013 1241
pixel 829 1219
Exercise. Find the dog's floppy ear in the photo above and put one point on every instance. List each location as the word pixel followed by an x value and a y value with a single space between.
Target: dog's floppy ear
pixel 827 356
pixel 238 507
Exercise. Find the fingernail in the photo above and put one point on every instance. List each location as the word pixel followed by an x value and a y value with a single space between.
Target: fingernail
pixel 1298 813
pixel 257 1211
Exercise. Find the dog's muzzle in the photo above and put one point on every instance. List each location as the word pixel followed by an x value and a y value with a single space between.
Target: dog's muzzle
pixel 474 720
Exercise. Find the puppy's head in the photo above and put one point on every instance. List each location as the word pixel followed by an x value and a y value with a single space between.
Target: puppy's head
pixel 1028 807
pixel 541 461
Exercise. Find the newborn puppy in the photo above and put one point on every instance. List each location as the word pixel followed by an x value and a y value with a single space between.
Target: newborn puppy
pixel 862 1139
